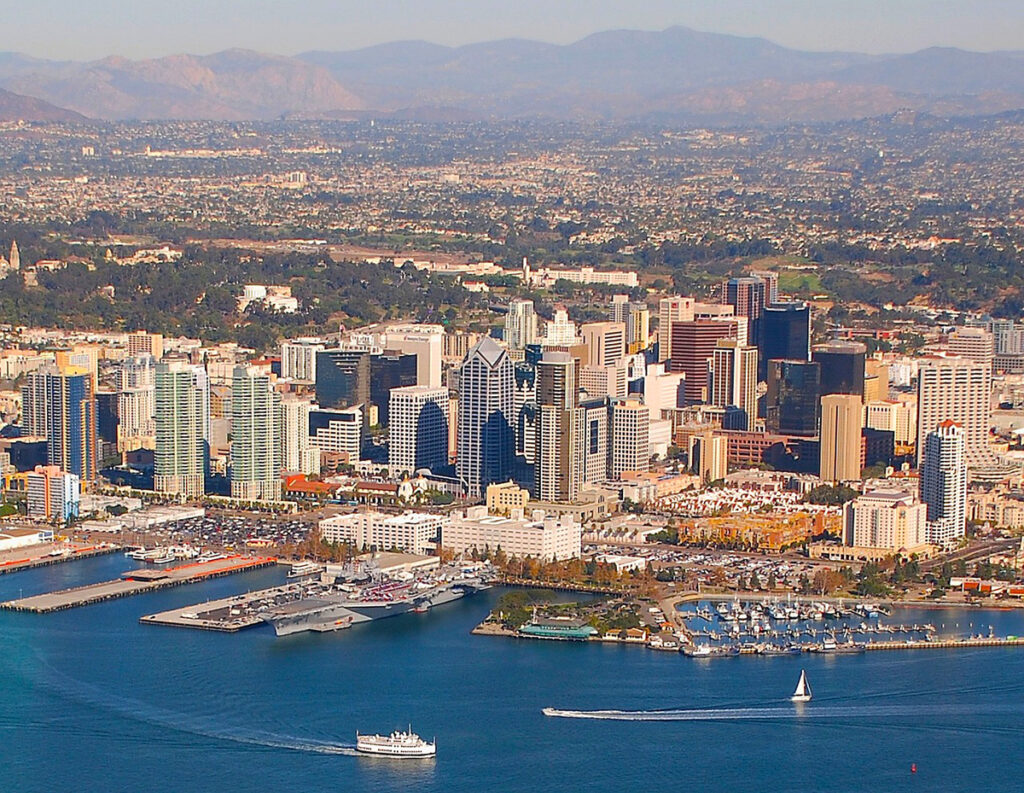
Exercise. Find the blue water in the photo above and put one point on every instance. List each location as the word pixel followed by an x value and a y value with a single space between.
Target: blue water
pixel 90 700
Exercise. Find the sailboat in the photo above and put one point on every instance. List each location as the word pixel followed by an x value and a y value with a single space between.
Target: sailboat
pixel 803 689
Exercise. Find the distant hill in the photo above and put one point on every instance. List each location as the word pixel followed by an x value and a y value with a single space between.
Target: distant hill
pixel 231 85
pixel 678 75
pixel 15 107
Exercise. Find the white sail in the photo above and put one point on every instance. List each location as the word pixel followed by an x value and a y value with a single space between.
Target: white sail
pixel 803 689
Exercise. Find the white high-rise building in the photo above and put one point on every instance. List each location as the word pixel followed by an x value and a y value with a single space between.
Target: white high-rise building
pixel 417 429
pixel 182 396
pixel 298 359
pixel 977 344
pixel 889 519
pixel 944 482
pixel 959 390
pixel 561 331
pixel 630 446
pixel 671 309
pixel 520 324
pixel 255 438
pixel 297 452
pixel 426 342
pixel 486 441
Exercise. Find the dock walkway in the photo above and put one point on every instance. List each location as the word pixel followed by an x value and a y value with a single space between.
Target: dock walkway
pixel 136 582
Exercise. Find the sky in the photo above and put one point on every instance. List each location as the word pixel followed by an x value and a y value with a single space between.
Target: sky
pixel 87 29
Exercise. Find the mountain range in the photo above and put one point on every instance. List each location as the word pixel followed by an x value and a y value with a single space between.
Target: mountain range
pixel 675 75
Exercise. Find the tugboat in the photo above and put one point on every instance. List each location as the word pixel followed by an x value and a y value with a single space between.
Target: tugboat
pixel 803 689
pixel 397 744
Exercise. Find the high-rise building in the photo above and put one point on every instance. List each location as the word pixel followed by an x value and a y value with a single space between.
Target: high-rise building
pixel 255 436
pixel 426 342
pixel 960 390
pixel 602 381
pixel 842 367
pixel 558 470
pixel 595 439
pixel 343 379
pixel 733 379
pixel 975 344
pixel 747 297
pixel 524 411
pixel 841 416
pixel 876 380
pixel 786 332
pixel 136 403
pixel 605 341
pixel 637 320
pixel 709 456
pixel 662 390
pixel 694 344
pixel 671 309
pixel 297 452
pixel 793 400
pixel 486 441
pixel 142 343
pixel 338 431
pixel 298 359
pixel 890 519
pixel 561 331
pixel 61 406
pixel 182 405
pixel 418 429
pixel 898 418
pixel 53 494
pixel 520 324
pixel 388 371
pixel 944 482
pixel 630 446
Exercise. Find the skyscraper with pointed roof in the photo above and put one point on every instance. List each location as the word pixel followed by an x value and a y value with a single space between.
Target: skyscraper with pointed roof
pixel 486 442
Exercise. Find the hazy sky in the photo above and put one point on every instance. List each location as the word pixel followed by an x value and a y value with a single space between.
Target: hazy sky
pixel 78 29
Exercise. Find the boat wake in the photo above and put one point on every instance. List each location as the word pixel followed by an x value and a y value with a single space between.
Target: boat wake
pixel 775 713
pixel 207 727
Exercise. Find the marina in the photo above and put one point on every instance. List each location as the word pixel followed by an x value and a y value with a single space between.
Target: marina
pixel 134 582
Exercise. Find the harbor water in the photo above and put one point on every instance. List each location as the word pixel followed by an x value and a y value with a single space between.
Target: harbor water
pixel 90 700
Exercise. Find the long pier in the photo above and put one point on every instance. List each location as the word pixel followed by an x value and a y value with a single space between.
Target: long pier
pixel 136 582
pixel 45 560
pixel 948 644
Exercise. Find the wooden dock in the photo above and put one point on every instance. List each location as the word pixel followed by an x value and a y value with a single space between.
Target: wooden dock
pixel 136 582
pixel 947 644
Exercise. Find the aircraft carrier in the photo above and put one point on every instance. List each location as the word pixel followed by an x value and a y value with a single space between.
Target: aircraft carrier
pixel 336 609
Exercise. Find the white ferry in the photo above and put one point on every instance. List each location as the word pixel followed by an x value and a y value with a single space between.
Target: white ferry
pixel 398 744
pixel 305 569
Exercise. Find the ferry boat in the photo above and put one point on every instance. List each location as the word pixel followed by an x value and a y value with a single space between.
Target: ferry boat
pixel 397 744
pixel 304 570
pixel 803 689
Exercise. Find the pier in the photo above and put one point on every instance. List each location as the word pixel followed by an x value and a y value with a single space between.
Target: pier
pixel 227 615
pixel 135 582
pixel 45 555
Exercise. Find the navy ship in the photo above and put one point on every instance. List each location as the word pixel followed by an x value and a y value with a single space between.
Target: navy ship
pixel 334 609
